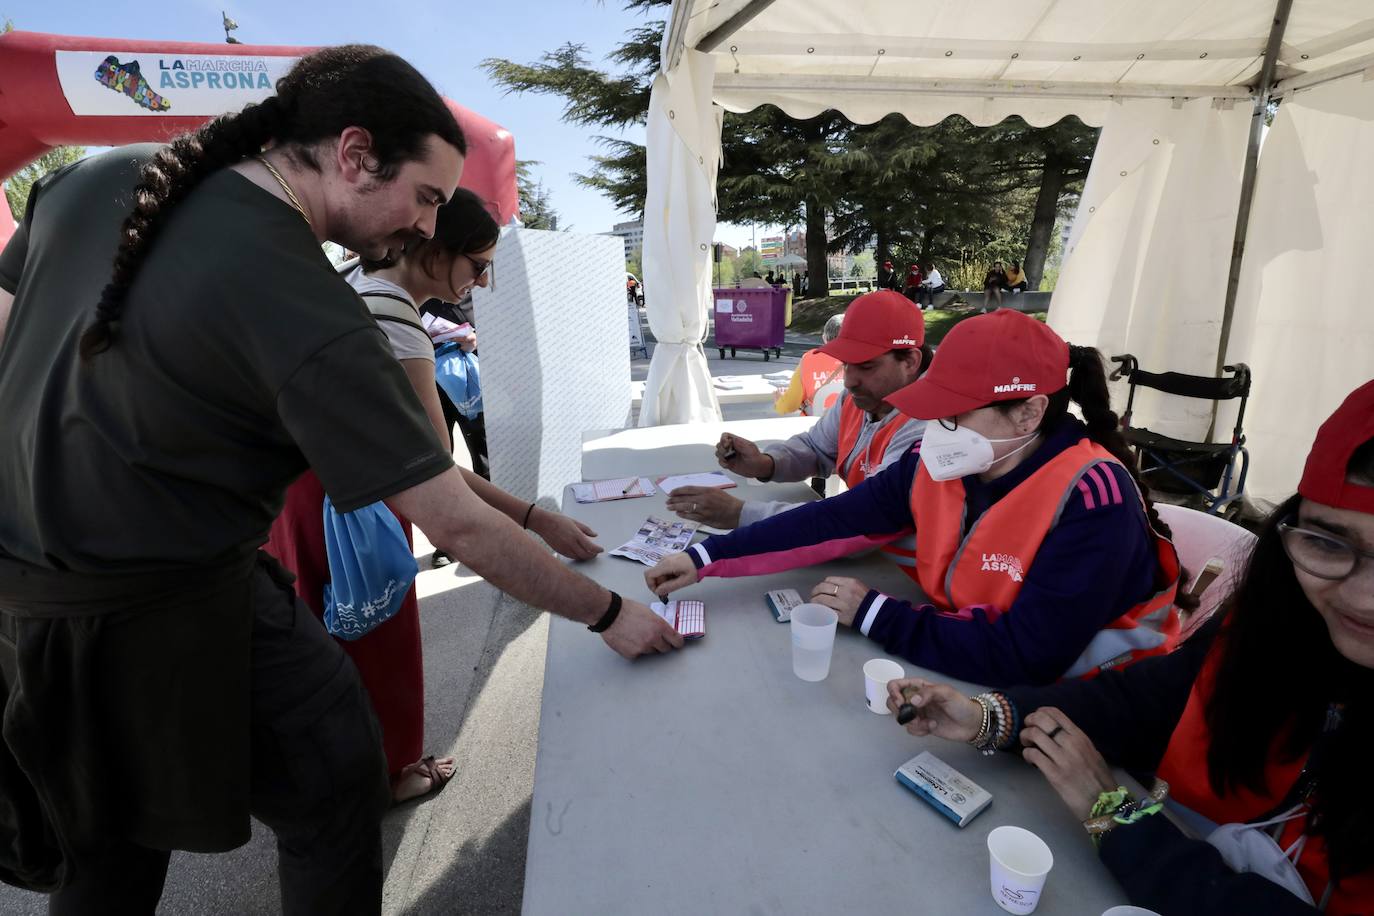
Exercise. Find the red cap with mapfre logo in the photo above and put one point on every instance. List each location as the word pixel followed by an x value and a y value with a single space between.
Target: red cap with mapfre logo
pixel 1326 479
pixel 1001 356
pixel 875 323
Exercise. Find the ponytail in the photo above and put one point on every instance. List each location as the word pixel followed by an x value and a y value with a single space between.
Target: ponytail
pixel 1088 389
pixel 324 93
pixel 173 173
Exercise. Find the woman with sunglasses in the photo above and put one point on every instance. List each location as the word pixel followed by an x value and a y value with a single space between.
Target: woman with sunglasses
pixel 1257 728
pixel 389 659
pixel 1038 550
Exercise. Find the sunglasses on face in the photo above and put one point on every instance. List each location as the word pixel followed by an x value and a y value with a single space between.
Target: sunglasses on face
pixel 479 268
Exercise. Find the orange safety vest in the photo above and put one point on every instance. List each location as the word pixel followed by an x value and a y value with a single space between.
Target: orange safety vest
pixel 855 469
pixel 987 566
pixel 817 371
pixel 1184 767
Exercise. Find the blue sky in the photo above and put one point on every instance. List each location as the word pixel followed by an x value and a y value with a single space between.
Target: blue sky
pixel 445 40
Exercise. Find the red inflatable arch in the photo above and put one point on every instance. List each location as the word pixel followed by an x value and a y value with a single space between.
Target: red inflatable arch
pixel 58 90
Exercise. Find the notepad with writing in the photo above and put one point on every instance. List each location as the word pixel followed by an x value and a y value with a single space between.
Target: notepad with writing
pixel 599 491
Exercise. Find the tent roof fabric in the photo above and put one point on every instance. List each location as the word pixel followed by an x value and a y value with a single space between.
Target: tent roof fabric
pixel 988 59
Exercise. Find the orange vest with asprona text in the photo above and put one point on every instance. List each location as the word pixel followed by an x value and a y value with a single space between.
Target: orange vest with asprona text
pixel 1184 767
pixel 820 371
pixel 854 469
pixel 987 567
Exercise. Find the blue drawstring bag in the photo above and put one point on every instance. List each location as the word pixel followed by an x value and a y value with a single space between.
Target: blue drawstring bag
pixel 460 377
pixel 371 568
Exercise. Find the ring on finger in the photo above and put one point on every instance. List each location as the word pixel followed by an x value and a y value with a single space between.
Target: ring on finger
pixel 1056 730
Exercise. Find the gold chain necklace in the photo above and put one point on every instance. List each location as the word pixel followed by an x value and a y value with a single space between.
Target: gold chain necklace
pixel 291 195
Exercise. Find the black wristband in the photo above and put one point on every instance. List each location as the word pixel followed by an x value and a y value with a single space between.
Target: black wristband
pixel 528 512
pixel 609 617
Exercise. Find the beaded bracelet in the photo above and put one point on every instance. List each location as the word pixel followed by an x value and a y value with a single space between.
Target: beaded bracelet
pixel 1118 807
pixel 994 724
pixel 982 735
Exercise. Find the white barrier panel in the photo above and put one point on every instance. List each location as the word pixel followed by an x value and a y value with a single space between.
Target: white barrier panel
pixel 551 336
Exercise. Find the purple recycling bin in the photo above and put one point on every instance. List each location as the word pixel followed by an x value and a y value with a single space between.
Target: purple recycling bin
pixel 750 317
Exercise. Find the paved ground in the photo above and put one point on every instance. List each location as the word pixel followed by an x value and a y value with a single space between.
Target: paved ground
pixel 462 850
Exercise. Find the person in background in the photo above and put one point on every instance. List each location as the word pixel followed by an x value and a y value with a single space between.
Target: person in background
pixel 472 429
pixel 816 372
pixel 932 286
pixel 389 658
pixel 796 284
pixel 1036 547
pixel 911 285
pixel 769 279
pixel 1016 279
pixel 881 345
pixel 886 275
pixel 1257 727
pixel 993 284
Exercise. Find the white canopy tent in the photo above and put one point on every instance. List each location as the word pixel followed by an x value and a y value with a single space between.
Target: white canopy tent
pixel 1179 87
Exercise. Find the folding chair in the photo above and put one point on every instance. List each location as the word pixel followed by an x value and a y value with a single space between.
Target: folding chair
pixel 1204 471
pixel 1214 551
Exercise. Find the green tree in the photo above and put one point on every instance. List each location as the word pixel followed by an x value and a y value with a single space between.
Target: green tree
pixel 748 263
pixel 18 185
pixel 536 210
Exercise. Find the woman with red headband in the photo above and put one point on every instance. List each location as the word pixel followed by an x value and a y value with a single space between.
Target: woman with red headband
pixel 1037 549
pixel 1257 727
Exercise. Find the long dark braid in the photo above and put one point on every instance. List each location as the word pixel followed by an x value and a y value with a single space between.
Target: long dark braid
pixel 1088 389
pixel 324 93
pixel 174 171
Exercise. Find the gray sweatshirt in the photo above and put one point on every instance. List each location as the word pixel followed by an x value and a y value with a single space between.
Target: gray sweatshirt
pixel 815 452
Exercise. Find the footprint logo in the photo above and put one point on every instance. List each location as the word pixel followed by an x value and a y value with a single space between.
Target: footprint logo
pixel 128 80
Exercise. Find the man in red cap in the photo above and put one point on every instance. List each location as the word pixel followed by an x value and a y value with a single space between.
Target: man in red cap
pixel 881 344
pixel 1036 548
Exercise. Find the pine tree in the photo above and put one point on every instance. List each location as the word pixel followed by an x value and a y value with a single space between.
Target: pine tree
pixel 536 208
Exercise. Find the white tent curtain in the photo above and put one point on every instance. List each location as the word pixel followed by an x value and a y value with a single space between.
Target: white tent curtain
pixel 679 224
pixel 1146 262
pixel 1304 320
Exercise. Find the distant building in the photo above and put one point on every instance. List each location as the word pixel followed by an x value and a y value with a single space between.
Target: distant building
pixel 633 235
pixel 794 243
pixel 726 251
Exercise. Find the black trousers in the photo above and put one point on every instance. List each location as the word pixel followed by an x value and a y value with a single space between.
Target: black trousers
pixel 474 434
pixel 319 779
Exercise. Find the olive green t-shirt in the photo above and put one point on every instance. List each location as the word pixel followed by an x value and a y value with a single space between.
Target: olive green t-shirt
pixel 242 358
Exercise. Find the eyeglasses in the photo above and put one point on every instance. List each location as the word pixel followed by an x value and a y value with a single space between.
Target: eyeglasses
pixel 479 268
pixel 1318 553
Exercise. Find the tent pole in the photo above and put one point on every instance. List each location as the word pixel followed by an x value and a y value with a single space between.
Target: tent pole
pixel 711 40
pixel 1247 181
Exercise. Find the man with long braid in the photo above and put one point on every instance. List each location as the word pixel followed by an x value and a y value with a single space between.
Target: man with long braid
pixel 159 681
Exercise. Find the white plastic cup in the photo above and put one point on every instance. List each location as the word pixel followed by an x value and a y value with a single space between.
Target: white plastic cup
pixel 877 672
pixel 813 638
pixel 1126 910
pixel 1020 863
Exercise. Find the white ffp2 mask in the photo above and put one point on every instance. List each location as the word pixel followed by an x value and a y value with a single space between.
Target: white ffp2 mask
pixel 952 453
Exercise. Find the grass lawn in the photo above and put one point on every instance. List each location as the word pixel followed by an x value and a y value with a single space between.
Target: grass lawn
pixel 810 315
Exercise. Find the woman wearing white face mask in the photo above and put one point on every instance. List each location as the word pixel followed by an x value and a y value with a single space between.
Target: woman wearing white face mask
pixel 1258 726
pixel 1038 552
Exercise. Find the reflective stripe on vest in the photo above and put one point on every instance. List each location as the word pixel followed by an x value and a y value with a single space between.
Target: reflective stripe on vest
pixel 820 371
pixel 1184 767
pixel 987 567
pixel 858 468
